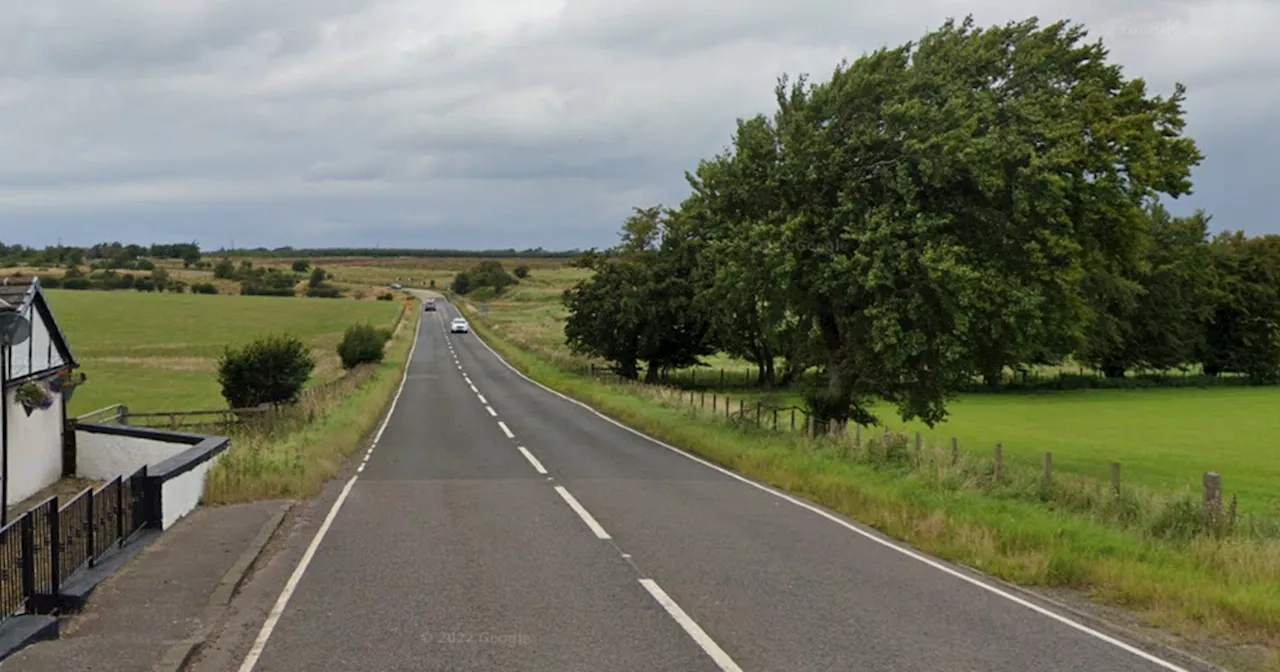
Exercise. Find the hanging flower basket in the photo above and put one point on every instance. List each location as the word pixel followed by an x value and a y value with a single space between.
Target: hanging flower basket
pixel 66 382
pixel 32 396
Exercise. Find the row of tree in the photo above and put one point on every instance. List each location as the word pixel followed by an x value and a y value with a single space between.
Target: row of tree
pixel 108 256
pixel 931 215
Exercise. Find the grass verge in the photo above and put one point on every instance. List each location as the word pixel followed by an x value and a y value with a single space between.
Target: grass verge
pixel 294 458
pixel 1198 587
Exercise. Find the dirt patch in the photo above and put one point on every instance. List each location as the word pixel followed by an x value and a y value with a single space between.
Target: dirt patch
pixel 195 364
pixel 64 490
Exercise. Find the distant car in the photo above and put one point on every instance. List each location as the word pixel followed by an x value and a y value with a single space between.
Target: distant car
pixel 459 326
pixel 429 304
pixel 396 285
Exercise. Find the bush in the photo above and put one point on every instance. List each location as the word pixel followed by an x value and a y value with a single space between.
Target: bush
pixel 301 266
pixel 361 344
pixel 77 283
pixel 520 271
pixel 204 288
pixel 323 292
pixel 270 370
pixel 385 297
pixel 50 281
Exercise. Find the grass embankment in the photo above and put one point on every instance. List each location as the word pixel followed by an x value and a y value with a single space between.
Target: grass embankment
pixel 1135 550
pixel 305 449
pixel 158 352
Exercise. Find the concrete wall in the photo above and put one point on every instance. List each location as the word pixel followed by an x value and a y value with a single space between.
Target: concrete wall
pixel 182 493
pixel 35 447
pixel 177 463
pixel 102 457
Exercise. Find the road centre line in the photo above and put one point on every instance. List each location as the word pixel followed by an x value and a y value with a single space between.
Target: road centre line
pixel 532 460
pixel 491 411
pixel 722 659
pixel 506 430
pixel 582 513
pixel 482 399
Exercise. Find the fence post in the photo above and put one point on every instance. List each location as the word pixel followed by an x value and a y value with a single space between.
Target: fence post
pixel 1115 477
pixel 702 399
pixel 999 464
pixel 1212 497
pixel 90 537
pixel 28 555
pixel 120 512
pixel 919 452
pixel 955 450
pixel 741 406
pixel 124 415
pixel 775 418
pixel 722 377
pixel 714 398
pixel 55 547
pixel 758 409
pixel 793 419
pixel 1048 470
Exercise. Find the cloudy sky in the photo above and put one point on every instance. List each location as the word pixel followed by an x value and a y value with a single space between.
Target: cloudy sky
pixel 498 123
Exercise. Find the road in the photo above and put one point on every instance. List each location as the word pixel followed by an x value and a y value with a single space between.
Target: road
pixel 498 526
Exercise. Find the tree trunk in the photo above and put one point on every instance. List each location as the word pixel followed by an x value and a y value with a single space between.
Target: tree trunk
pixel 651 375
pixel 1112 370
pixel 628 369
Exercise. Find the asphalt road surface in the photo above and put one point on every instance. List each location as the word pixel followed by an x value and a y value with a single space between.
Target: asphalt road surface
pixel 498 526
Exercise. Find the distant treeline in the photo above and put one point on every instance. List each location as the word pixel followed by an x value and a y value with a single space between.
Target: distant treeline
pixel 308 253
pixel 116 255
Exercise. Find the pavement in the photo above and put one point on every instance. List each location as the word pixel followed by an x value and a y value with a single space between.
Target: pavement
pixel 498 526
pixel 153 602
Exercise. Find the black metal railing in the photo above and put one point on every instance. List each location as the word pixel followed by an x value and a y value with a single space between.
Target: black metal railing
pixel 45 547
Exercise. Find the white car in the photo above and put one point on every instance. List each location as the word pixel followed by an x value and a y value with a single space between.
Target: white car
pixel 459 326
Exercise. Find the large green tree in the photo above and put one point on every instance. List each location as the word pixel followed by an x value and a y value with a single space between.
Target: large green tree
pixel 940 203
pixel 640 304
pixel 1243 333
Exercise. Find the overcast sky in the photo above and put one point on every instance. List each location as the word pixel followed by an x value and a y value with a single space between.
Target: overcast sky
pixel 498 123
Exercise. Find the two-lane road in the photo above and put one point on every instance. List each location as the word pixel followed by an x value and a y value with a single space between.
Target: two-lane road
pixel 496 525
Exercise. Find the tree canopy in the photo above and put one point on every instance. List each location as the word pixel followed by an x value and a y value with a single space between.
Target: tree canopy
pixel 934 213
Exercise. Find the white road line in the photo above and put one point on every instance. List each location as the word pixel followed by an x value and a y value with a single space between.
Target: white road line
pixel 491 411
pixel 582 513
pixel 1080 627
pixel 473 388
pixel 260 644
pixel 482 399
pixel 532 460
pixel 506 430
pixel 722 659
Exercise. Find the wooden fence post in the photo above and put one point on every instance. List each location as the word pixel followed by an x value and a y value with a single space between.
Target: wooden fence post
pixel 775 418
pixel 1047 477
pixel 714 401
pixel 1115 477
pixel 999 464
pixel 1212 497
pixel 857 435
pixel 919 451
pixel 793 419
pixel 955 450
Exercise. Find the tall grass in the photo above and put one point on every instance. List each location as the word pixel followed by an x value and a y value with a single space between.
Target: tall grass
pixel 293 454
pixel 1146 550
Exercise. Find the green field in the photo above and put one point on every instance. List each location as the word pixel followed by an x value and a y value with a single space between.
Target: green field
pixel 158 352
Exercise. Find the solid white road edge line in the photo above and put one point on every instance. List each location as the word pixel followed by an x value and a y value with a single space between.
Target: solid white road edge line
pixel 532 460
pixel 582 513
pixel 506 430
pixel 277 610
pixel 1101 636
pixel 722 659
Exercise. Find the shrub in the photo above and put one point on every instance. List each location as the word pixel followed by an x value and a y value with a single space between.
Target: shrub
pixel 361 344
pixel 270 370
pixel 520 271
pixel 323 292
pixel 301 266
pixel 204 288
pixel 77 283
pixel 50 281
pixel 385 297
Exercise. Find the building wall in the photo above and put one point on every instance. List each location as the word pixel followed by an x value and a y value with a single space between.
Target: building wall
pixel 102 457
pixel 35 447
pixel 37 353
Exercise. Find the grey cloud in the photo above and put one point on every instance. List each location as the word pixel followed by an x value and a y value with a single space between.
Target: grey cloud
pixel 541 122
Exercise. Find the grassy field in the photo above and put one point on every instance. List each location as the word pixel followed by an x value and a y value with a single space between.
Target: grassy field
pixel 158 352
pixel 1163 438
pixel 296 459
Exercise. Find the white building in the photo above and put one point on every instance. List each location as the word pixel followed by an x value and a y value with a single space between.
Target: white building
pixel 34 360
